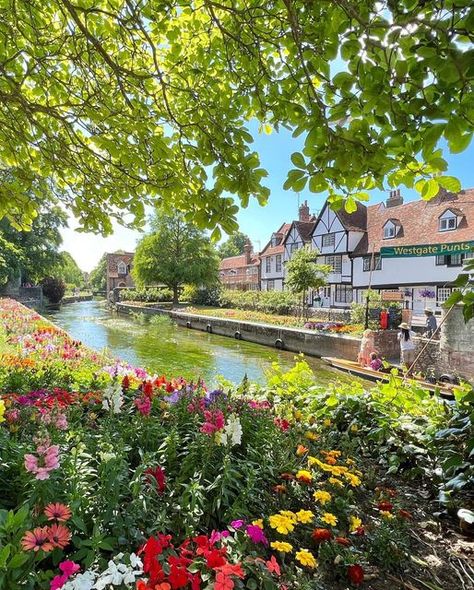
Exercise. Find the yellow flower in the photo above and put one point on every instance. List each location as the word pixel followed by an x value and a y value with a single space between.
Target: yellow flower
pixel 311 435
pixel 336 482
pixel 290 515
pixel 350 462
pixel 304 475
pixel 306 558
pixel 304 516
pixel 322 497
pixel 281 546
pixel 258 522
pixel 338 470
pixel 329 518
pixel 281 523
pixel 386 514
pixel 312 460
pixel 327 422
pixel 301 450
pixel 354 523
pixel 354 428
pixel 298 414
pixel 353 479
pixel 2 410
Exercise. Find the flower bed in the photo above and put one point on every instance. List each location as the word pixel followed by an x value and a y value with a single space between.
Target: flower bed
pixel 115 478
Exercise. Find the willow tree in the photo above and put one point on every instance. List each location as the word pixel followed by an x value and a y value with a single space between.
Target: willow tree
pixel 119 103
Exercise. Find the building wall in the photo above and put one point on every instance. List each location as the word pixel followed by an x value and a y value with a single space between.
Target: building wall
pixel 277 277
pixel 116 279
pixel 457 344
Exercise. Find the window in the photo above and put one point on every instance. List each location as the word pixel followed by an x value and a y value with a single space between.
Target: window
pixel 343 294
pixel 377 262
pixel 278 263
pixel 455 259
pixel 122 268
pixel 335 262
pixel 441 260
pixel 448 223
pixel 442 294
pixel 271 285
pixel 268 264
pixel 328 240
pixel 389 230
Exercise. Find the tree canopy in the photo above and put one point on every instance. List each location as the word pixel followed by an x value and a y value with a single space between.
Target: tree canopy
pixel 33 254
pixel 303 273
pixel 117 103
pixel 175 253
pixel 98 276
pixel 234 245
pixel 68 270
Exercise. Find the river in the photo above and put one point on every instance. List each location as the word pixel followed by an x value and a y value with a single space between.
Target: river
pixel 174 351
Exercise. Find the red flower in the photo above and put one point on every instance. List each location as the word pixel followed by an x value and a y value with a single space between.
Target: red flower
pixel 355 574
pixel 282 424
pixel 344 541
pixel 214 559
pixel 159 476
pixel 126 382
pixel 360 531
pixel 385 506
pixel 178 576
pixel 405 514
pixel 321 535
pixel 287 476
pixel 147 388
pixel 273 566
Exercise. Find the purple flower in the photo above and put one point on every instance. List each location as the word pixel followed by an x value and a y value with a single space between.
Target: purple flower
pixel 256 534
pixel 213 396
pixel 174 397
pixel 216 536
pixel 237 524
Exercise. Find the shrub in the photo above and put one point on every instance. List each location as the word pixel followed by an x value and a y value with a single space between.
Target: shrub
pixel 274 302
pixel 147 295
pixel 375 306
pixel 53 289
pixel 211 296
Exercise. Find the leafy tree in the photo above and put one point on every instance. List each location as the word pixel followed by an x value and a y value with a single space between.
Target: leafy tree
pixel 36 251
pixel 98 276
pixel 10 261
pixel 122 103
pixel 175 253
pixel 68 270
pixel 303 273
pixel 234 245
pixel 53 288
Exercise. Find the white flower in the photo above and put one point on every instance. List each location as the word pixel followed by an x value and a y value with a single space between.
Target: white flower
pixel 135 561
pixel 232 432
pixel 112 397
pixel 83 581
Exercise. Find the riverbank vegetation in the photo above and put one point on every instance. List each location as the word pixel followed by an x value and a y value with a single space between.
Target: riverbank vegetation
pixel 115 478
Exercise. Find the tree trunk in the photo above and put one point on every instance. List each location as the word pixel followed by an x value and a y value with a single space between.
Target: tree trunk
pixel 175 295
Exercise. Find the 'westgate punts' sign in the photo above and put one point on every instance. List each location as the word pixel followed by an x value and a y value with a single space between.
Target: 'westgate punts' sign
pixel 427 250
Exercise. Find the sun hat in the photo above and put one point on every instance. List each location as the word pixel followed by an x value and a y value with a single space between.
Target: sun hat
pixel 404 326
pixel 428 310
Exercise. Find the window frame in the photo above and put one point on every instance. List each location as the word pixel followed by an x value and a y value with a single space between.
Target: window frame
pixel 446 220
pixel 393 230
pixel 121 265
pixel 278 263
pixel 376 260
pixel 348 293
pixel 268 264
pixel 331 237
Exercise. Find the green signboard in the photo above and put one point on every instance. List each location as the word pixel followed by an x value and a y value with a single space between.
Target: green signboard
pixel 427 250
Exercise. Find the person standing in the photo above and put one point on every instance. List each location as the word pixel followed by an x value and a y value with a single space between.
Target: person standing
pixel 407 345
pixel 431 323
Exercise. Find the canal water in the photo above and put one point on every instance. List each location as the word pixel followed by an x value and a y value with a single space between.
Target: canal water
pixel 175 351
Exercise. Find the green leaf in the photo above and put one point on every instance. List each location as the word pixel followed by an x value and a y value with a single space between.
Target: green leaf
pixel 460 143
pixel 429 189
pixel 450 183
pixel 298 160
pixel 350 205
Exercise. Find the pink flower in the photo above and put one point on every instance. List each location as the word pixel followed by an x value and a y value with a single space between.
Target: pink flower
pixel 68 568
pixel 143 405
pixel 256 534
pixel 61 422
pixel 47 460
pixel 237 524
pixel 31 463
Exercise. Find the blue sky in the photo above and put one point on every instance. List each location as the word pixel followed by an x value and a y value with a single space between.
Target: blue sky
pixel 256 221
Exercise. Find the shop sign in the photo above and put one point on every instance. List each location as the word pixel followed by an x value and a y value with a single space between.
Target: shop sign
pixel 427 250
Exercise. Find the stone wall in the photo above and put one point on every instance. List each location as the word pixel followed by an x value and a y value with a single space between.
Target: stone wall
pixel 457 344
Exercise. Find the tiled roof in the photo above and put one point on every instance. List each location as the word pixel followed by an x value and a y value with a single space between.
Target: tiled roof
pixel 419 222
pixel 270 250
pixel 238 262
pixel 305 229
pixel 356 221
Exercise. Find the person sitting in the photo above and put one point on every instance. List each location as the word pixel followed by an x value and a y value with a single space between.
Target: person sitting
pixel 366 347
pixel 375 362
pixel 407 346
pixel 431 323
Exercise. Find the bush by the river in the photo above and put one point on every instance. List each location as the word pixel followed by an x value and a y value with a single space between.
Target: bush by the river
pixel 147 295
pixel 115 478
pixel 274 302
pixel 53 289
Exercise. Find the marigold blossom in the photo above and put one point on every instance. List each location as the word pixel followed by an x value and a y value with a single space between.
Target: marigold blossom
pixel 322 497
pixel 306 558
pixel 281 546
pixel 329 518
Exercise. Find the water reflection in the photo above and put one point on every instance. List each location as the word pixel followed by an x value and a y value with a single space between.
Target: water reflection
pixel 173 350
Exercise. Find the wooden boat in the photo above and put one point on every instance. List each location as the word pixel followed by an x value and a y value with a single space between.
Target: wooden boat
pixel 442 389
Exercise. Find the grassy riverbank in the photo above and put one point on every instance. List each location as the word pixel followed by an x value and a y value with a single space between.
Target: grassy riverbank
pixel 289 485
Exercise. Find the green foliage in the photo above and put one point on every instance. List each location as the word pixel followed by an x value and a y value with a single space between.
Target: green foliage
pixel 32 253
pixel 275 302
pixel 147 295
pixel 303 273
pixel 98 276
pixel 234 245
pixel 53 288
pixel 68 271
pixel 358 310
pixel 175 253
pixel 161 321
pixel 146 98
pixel 211 296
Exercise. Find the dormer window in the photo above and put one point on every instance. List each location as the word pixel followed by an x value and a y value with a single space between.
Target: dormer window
pixel 276 239
pixel 448 221
pixel 390 230
pixel 122 268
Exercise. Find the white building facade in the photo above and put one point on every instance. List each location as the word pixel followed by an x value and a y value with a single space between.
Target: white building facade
pixel 271 266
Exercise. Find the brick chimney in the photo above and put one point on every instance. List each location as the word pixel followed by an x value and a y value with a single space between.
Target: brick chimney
pixel 394 199
pixel 248 251
pixel 304 212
